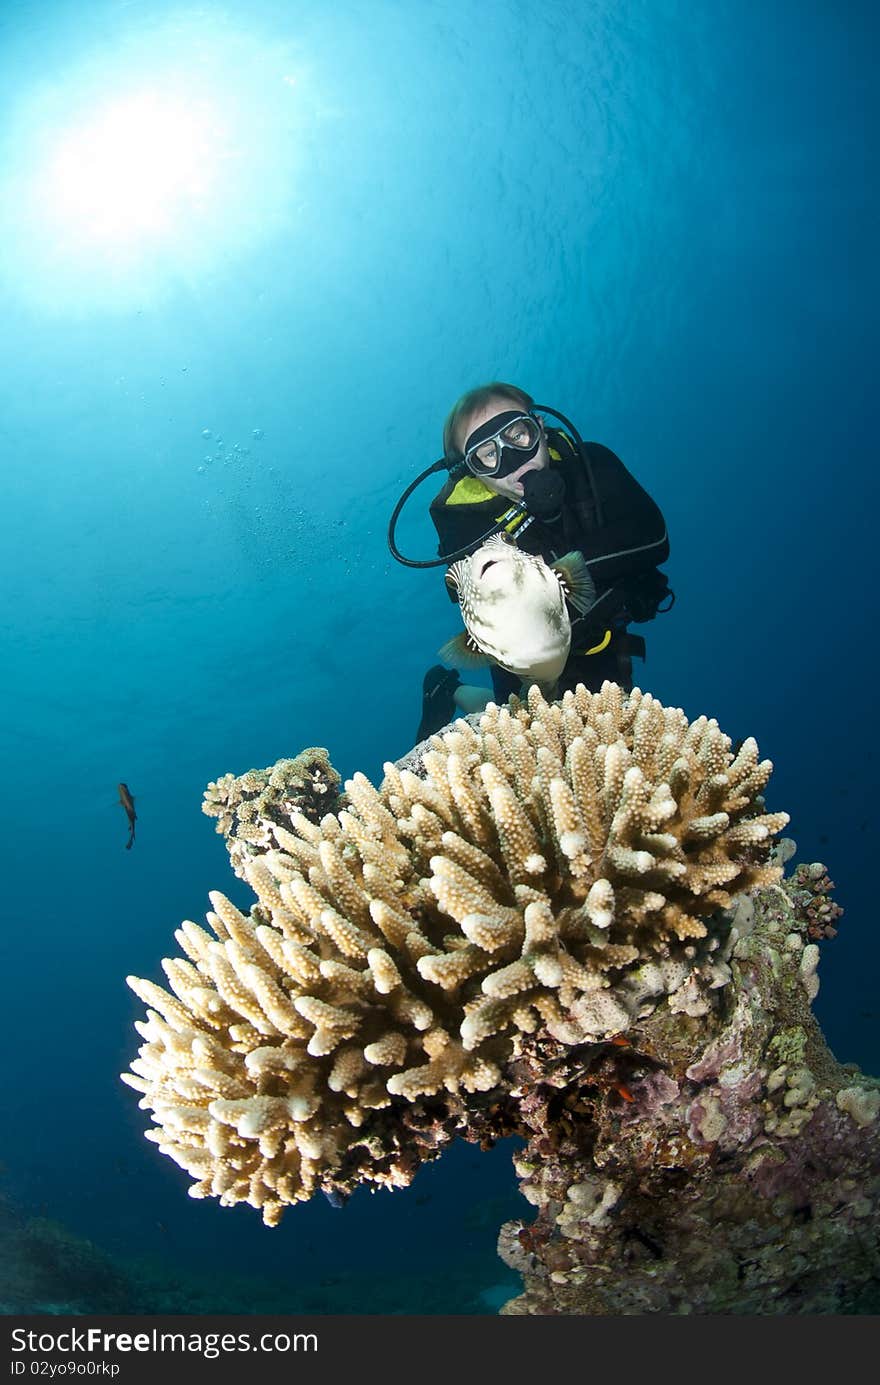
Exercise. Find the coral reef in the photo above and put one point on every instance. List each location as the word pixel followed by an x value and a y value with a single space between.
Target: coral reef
pixel 539 924
pixel 739 1172
pixel 811 888
pixel 549 873
pixel 249 805
pixel 47 1268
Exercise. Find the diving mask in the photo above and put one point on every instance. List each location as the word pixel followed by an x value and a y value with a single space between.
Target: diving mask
pixel 503 444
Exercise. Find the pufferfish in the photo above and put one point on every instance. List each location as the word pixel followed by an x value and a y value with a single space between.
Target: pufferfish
pixel 513 605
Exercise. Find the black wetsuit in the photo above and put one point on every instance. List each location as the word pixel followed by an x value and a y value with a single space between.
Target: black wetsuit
pixel 623 538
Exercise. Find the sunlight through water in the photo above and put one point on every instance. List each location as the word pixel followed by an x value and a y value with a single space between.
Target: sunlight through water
pixel 146 166
pixel 136 170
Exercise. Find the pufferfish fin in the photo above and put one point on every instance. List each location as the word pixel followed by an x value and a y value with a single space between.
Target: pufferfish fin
pixel 461 652
pixel 452 576
pixel 578 585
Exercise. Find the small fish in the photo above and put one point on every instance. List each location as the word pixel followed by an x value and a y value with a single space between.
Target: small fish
pixel 127 802
pixel 513 607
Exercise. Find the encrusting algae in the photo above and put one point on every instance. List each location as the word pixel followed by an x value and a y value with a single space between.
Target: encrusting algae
pixel 530 929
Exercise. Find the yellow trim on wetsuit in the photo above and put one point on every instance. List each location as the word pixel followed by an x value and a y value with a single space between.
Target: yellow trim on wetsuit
pixel 603 644
pixel 469 491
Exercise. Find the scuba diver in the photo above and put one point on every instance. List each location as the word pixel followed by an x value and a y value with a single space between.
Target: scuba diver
pixel 551 494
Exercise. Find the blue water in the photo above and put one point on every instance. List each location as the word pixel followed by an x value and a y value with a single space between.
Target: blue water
pixel 658 217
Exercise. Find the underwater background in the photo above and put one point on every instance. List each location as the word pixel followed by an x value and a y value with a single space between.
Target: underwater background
pixel 223 362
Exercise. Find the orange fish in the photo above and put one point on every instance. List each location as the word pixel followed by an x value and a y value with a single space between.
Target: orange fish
pixel 127 802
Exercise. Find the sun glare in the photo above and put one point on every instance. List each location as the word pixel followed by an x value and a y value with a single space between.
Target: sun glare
pixel 155 158
pixel 137 169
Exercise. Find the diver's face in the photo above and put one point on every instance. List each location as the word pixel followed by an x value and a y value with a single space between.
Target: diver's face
pixel 509 486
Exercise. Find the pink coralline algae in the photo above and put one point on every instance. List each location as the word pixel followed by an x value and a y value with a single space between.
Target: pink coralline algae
pixel 744 1174
pixel 711 1158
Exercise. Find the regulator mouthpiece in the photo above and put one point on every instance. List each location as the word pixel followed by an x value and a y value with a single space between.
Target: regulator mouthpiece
pixel 543 493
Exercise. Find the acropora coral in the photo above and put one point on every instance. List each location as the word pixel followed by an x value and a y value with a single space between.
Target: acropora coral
pixel 248 806
pixel 538 924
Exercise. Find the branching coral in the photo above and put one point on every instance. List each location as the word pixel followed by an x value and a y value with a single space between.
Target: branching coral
pixel 249 805
pixel 552 876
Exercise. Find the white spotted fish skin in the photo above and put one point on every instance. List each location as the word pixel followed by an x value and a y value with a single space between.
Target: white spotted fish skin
pixel 513 607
